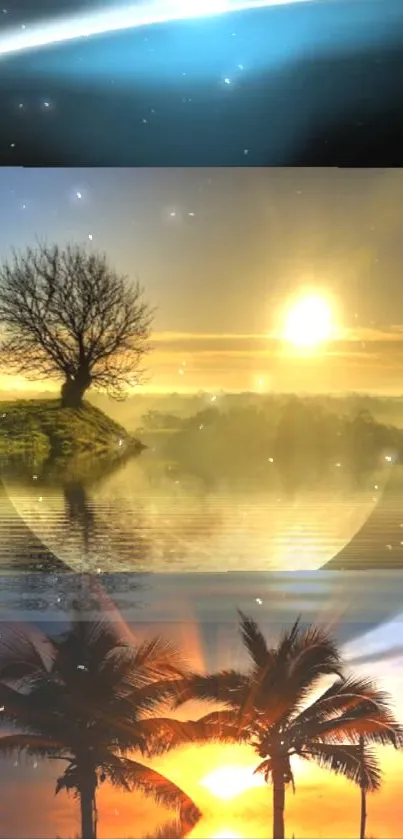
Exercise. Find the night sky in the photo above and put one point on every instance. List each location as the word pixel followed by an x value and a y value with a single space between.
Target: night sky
pixel 220 251
pixel 297 83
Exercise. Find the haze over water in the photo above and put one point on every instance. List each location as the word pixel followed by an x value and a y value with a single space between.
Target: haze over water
pixel 145 517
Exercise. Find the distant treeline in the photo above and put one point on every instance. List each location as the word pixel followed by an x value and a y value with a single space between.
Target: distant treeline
pixel 291 439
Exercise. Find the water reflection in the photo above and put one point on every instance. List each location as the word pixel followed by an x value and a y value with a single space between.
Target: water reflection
pixel 354 602
pixel 147 514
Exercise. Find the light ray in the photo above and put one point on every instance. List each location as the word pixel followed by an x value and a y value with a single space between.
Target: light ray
pixel 123 18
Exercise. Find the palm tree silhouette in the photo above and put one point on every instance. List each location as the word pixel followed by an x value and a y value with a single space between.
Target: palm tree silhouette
pixel 89 698
pixel 268 707
pixel 366 784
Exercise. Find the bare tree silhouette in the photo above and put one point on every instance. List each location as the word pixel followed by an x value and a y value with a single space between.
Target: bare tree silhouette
pixel 67 314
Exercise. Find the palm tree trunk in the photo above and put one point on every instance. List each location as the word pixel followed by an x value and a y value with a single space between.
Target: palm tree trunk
pixel 363 816
pixel 88 825
pixel 278 804
pixel 363 819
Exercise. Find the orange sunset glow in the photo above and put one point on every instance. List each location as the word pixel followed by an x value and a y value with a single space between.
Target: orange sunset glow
pixel 220 779
pixel 319 282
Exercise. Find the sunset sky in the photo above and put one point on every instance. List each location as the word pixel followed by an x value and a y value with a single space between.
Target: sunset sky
pixel 362 612
pixel 222 254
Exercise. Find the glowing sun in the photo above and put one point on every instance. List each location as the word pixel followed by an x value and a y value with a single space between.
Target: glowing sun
pixel 226 834
pixel 309 322
pixel 230 781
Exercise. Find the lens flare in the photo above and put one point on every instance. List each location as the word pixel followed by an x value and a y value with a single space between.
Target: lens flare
pixel 133 16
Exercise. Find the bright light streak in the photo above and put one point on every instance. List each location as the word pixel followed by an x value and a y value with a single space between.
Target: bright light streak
pixel 124 18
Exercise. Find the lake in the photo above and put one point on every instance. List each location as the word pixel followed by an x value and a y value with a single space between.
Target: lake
pixel 145 514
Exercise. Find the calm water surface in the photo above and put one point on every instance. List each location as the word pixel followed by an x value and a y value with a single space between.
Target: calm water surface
pixel 147 516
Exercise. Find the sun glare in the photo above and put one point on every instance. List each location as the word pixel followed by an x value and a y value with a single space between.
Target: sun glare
pixel 309 322
pixel 230 781
pixel 226 834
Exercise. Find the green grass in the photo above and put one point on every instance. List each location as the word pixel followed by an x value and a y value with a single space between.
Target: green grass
pixel 43 428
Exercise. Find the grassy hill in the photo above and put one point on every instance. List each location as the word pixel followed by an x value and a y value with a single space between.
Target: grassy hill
pixel 43 427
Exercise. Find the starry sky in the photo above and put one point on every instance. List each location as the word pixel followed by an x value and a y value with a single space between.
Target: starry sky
pixel 291 83
pixel 220 251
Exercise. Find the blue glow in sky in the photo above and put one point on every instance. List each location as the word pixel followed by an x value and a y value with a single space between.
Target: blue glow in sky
pixel 160 84
pixel 257 34
pixel 121 18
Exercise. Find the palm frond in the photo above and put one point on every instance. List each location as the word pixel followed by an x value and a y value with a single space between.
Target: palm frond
pixel 343 695
pixel 264 768
pixel 226 686
pixel 33 745
pixel 350 709
pixel 151 783
pixel 278 688
pixel 24 651
pixel 157 659
pixel 288 639
pixel 162 734
pixel 90 643
pixel 358 765
pixel 314 654
pixel 254 641
pixel 219 726
pixel 69 781
pixel 30 711
pixel 381 729
pixel 161 693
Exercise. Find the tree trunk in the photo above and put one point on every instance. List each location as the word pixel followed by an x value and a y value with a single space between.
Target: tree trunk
pixel 363 819
pixel 73 390
pixel 87 801
pixel 278 804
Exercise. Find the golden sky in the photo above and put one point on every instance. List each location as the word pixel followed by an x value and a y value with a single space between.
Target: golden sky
pixel 367 360
pixel 220 252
